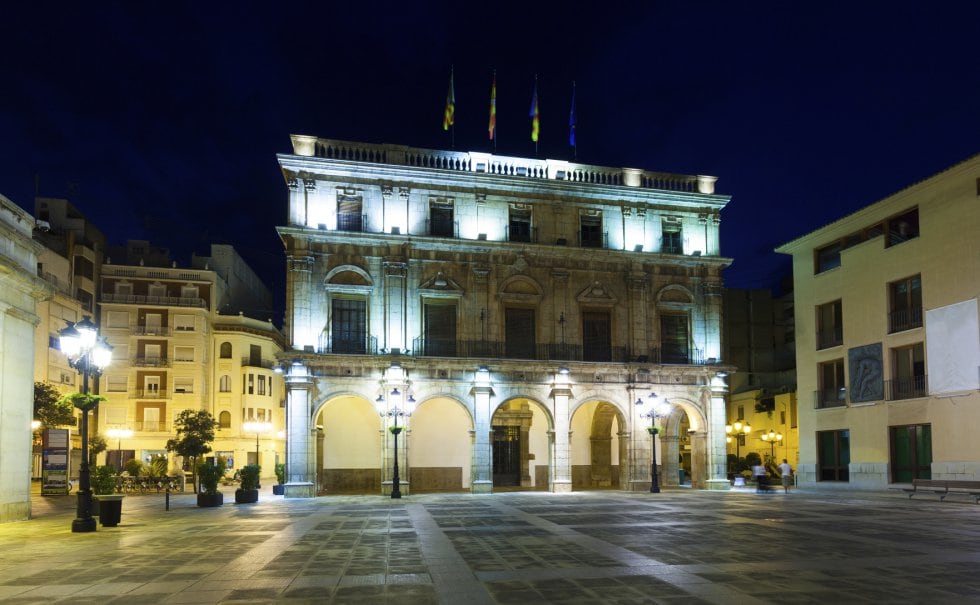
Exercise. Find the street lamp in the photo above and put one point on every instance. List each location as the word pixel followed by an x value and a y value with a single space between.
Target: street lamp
pixel 657 408
pixel 257 428
pixel 90 355
pixel 773 438
pixel 739 430
pixel 395 413
pixel 119 435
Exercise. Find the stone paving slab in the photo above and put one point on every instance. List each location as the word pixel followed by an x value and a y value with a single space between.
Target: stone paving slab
pixel 676 547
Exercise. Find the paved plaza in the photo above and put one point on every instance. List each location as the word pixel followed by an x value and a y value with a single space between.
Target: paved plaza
pixel 679 546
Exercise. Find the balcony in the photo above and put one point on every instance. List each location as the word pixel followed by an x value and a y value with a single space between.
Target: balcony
pixel 486 349
pixel 170 301
pixel 151 426
pixel 906 388
pixel 152 331
pixel 258 363
pixel 522 232
pixel 347 221
pixel 150 394
pixel 835 397
pixel 442 228
pixel 830 337
pixel 905 319
pixel 366 345
pixel 151 362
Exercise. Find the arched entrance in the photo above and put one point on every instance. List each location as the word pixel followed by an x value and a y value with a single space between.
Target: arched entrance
pixel 521 446
pixel 348 442
pixel 598 447
pixel 440 445
pixel 683 446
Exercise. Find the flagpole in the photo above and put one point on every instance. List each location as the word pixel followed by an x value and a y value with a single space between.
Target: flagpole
pixel 571 126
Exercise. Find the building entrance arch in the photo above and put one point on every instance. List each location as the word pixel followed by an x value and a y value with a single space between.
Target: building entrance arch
pixel 598 446
pixel 683 440
pixel 348 438
pixel 440 444
pixel 521 446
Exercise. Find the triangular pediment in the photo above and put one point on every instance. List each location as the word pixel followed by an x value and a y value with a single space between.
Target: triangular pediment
pixel 597 294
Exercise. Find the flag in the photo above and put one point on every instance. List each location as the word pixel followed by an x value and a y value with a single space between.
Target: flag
pixel 571 120
pixel 449 117
pixel 535 120
pixel 493 107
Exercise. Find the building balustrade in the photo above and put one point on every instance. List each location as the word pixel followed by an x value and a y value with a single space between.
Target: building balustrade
pixel 352 345
pixel 151 362
pixel 906 388
pixel 835 397
pixel 150 394
pixel 170 301
pixel 494 349
pixel 905 319
pixel 151 426
pixel 152 331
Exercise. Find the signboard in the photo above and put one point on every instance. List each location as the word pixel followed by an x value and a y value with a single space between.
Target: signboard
pixel 56 447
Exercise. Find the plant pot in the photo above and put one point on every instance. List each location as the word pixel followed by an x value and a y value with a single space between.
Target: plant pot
pixel 110 509
pixel 279 489
pixel 209 500
pixel 246 496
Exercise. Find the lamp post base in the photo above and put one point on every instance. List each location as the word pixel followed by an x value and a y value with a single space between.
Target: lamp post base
pixel 83 525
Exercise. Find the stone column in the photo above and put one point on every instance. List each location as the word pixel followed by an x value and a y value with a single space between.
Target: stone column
pixel 482 474
pixel 560 396
pixel 639 450
pixel 668 467
pixel 300 459
pixel 699 459
pixel 299 289
pixel 717 453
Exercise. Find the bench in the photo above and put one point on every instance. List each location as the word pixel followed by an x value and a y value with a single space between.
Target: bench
pixel 944 487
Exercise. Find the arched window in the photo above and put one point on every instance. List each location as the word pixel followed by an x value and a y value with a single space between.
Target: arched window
pixel 224 420
pixel 225 350
pixel 224 383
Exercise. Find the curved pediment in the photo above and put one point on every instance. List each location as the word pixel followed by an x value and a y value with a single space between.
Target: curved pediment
pixel 520 288
pixel 348 278
pixel 675 294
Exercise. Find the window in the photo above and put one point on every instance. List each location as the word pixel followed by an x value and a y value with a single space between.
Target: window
pixel 224 420
pixel 596 336
pixel 441 221
pixel 348 326
pixel 261 390
pixel 672 242
pixel 911 452
pixel 183 385
pixel 225 350
pixel 250 389
pixel 827 258
pixel 255 356
pixel 349 214
pixel 184 323
pixel 519 333
pixel 903 227
pixel 439 329
pixel 830 329
pixel 224 383
pixel 84 267
pixel 117 319
pixel 908 373
pixel 183 353
pixel 189 292
pixel 590 231
pixel 674 339
pixel 519 227
pixel 116 382
pixel 833 455
pixel 905 304
pixel 832 391
pixel 157 290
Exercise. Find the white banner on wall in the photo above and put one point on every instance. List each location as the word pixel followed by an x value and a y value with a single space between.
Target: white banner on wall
pixel 953 348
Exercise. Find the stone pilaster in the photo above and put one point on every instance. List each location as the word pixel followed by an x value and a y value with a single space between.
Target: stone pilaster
pixel 299 277
pixel 482 472
pixel 717 453
pixel 562 476
pixel 300 458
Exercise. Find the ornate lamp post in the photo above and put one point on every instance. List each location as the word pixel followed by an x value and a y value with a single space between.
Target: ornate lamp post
pixel 773 438
pixel 258 428
pixel 657 408
pixel 395 412
pixel 119 435
pixel 739 430
pixel 90 355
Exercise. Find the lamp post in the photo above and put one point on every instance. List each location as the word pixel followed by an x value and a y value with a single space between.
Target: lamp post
pixel 739 430
pixel 773 438
pixel 119 435
pixel 657 408
pixel 90 355
pixel 395 412
pixel 257 428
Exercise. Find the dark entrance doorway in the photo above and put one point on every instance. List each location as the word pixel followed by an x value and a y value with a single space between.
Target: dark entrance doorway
pixel 506 456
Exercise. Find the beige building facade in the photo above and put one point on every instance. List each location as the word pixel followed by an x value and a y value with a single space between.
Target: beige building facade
pixel 511 317
pixel 888 349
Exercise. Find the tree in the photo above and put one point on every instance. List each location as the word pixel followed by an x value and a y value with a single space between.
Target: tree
pixel 50 408
pixel 195 432
pixel 96 445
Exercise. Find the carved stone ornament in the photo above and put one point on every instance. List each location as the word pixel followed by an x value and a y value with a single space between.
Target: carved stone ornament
pixel 597 294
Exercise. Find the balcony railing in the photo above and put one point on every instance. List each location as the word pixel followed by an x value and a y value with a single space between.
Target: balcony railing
pixel 150 393
pixel 170 301
pixel 151 426
pixel 151 362
pixel 151 331
pixel 906 388
pixel 351 222
pixel 258 363
pixel 905 319
pixel 830 398
pixel 830 337
pixel 422 347
pixel 442 228
pixel 517 232
pixel 367 345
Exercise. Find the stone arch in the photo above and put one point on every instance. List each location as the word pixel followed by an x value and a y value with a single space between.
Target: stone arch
pixel 675 294
pixel 521 289
pixel 439 445
pixel 683 438
pixel 521 444
pixel 348 439
pixel 598 443
pixel 348 275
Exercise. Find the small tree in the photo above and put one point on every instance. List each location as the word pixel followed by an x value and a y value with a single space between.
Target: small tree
pixel 195 432
pixel 50 408
pixel 96 445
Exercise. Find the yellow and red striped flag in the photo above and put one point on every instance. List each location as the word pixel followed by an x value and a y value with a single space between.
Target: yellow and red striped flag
pixel 449 116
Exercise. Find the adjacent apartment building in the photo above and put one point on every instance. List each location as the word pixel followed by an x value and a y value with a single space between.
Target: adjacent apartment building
pixel 887 344
pixel 512 319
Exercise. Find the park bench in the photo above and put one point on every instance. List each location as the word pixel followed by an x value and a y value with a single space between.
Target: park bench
pixel 944 487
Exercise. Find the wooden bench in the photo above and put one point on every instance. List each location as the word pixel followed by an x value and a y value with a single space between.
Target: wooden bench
pixel 944 487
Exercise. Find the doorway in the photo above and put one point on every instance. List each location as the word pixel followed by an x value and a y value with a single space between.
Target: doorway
pixel 506 456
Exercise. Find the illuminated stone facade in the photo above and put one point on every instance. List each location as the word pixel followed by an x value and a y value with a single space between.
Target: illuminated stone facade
pixel 887 345
pixel 577 289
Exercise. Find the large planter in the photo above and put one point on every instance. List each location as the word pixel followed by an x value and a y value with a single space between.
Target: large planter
pixel 246 496
pixel 208 500
pixel 110 509
pixel 278 489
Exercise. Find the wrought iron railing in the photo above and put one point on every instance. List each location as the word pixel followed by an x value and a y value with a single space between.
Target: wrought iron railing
pixel 834 397
pixel 830 337
pixel 906 388
pixel 905 319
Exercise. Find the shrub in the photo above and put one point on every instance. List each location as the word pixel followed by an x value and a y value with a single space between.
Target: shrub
pixel 211 474
pixel 250 476
pixel 134 466
pixel 103 480
pixel 280 473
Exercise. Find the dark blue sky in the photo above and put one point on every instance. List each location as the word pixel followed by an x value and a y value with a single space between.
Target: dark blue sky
pixel 162 120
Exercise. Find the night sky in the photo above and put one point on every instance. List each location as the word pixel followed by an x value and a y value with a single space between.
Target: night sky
pixel 161 121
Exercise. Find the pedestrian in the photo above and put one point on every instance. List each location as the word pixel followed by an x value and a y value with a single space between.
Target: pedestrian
pixel 759 473
pixel 786 473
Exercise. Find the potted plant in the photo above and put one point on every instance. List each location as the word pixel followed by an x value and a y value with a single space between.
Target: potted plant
pixel 249 490
pixel 209 475
pixel 280 487
pixel 103 482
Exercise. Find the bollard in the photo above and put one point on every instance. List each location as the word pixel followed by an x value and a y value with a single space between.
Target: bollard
pixel 168 498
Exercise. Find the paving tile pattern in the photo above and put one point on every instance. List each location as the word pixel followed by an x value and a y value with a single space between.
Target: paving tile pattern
pixel 677 547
